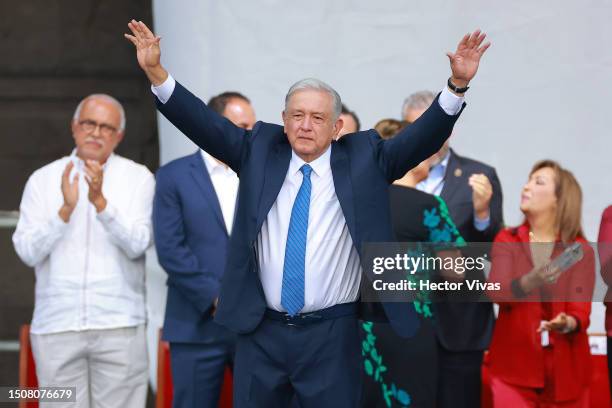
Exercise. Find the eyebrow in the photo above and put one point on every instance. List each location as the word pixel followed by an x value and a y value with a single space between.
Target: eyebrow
pixel 99 123
pixel 303 111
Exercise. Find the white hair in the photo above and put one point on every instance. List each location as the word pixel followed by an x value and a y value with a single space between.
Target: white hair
pixel 316 84
pixel 418 100
pixel 106 98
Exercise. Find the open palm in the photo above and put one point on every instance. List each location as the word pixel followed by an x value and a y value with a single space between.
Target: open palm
pixel 70 190
pixel 147 44
pixel 464 61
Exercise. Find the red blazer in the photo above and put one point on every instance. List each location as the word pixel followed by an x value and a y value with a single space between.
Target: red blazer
pixel 516 353
pixel 605 258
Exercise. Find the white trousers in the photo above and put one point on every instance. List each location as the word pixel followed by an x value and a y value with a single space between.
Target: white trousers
pixel 108 367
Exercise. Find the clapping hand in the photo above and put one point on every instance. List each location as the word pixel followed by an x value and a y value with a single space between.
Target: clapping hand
pixel 70 191
pixel 94 177
pixel 482 191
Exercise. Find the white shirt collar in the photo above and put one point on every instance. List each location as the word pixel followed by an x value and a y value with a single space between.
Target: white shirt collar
pixel 444 161
pixel 320 166
pixel 79 164
pixel 210 162
pixel 440 168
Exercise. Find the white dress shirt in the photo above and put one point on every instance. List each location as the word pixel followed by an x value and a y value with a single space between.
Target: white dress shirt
pixel 225 181
pixel 332 268
pixel 434 183
pixel 90 272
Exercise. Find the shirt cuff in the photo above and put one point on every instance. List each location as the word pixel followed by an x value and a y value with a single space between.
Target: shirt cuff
pixel 482 224
pixel 107 215
pixel 57 225
pixel 165 90
pixel 449 102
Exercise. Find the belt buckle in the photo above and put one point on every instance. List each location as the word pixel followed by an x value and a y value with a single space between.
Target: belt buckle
pixel 289 320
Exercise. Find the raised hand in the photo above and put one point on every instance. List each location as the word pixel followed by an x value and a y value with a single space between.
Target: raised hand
pixel 464 61
pixel 70 191
pixel 148 51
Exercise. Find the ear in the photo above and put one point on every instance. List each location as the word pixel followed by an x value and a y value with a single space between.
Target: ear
pixel 74 126
pixel 338 126
pixel 120 136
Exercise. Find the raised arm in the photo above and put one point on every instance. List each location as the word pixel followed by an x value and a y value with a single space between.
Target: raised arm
pixel 209 130
pixel 425 137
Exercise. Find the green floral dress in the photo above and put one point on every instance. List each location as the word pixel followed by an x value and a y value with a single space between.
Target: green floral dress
pixel 402 372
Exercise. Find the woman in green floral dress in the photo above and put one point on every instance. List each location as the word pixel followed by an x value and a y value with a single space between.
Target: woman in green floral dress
pixel 402 372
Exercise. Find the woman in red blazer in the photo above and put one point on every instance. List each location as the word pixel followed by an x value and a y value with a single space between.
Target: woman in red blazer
pixel 540 354
pixel 605 258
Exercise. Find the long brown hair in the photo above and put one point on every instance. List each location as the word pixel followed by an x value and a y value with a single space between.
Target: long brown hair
pixel 569 201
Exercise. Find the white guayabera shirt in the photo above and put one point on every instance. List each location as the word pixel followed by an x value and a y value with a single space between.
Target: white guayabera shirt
pixel 90 272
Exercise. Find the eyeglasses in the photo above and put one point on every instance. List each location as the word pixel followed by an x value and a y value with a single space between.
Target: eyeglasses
pixel 90 126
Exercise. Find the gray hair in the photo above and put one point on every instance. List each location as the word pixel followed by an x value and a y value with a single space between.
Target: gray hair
pixel 316 84
pixel 418 100
pixel 106 98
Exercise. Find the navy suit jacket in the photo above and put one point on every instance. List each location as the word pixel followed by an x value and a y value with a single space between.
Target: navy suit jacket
pixel 363 165
pixel 191 241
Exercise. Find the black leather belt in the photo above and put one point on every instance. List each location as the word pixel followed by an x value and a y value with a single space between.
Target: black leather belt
pixel 305 319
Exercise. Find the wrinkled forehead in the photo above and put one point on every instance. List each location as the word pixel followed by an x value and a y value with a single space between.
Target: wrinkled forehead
pixel 311 101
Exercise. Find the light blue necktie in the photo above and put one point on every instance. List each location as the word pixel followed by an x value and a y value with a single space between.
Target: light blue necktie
pixel 292 292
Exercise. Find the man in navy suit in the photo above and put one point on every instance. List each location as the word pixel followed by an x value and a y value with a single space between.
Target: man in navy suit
pixel 193 212
pixel 305 207
pixel 473 194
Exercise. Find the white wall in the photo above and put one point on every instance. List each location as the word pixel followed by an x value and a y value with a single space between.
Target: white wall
pixel 541 92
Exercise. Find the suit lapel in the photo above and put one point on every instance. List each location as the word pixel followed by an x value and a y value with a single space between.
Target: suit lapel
pixel 276 170
pixel 199 172
pixel 453 177
pixel 344 189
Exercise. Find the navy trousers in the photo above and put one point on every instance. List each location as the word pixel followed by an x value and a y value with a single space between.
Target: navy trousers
pixel 319 365
pixel 198 370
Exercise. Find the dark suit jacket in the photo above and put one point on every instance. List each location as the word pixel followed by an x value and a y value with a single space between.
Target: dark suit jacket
pixel 362 165
pixel 468 326
pixel 191 241
pixel 458 197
